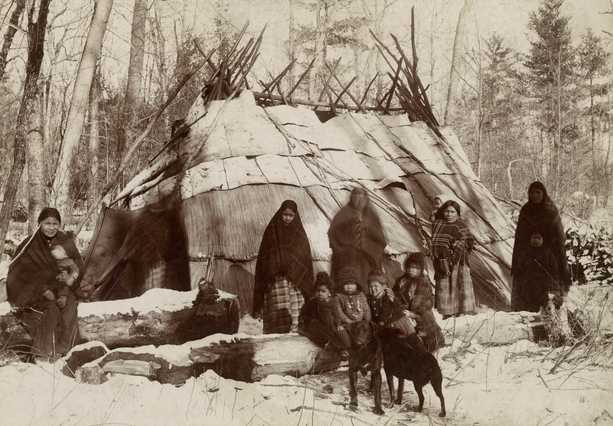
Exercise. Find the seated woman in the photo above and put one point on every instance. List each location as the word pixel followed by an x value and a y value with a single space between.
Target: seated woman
pixel 48 307
pixel 388 313
pixel 414 293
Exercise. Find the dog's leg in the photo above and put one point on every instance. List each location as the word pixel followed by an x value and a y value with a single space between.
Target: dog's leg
pixel 400 390
pixel 437 383
pixel 389 377
pixel 353 391
pixel 376 380
pixel 420 394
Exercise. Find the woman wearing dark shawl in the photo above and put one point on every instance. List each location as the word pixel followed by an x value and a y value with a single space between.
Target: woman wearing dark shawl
pixel 538 215
pixel 283 271
pixel 356 238
pixel 451 244
pixel 46 307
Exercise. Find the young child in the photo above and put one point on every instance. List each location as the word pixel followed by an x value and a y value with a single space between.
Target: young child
pixel 317 318
pixel 69 272
pixel 388 313
pixel 414 293
pixel 539 278
pixel 350 306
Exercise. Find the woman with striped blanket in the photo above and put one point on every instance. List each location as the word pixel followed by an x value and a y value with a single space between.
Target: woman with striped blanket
pixel 451 244
pixel 283 271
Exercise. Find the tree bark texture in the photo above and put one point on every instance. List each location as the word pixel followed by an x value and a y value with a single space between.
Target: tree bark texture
pixel 135 74
pixel 79 103
pixel 94 143
pixel 35 158
pixel 36 43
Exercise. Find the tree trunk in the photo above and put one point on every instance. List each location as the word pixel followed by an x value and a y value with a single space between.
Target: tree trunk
pixel 558 137
pixel 79 103
pixel 135 74
pixel 94 143
pixel 36 44
pixel 456 56
pixel 35 158
pixel 291 48
pixel 10 34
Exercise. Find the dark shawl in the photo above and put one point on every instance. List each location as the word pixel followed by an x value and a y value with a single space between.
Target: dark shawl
pixel 34 271
pixel 544 219
pixel 284 248
pixel 353 231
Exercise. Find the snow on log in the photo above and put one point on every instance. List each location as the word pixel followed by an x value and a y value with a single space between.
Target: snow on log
pixel 239 357
pixel 157 317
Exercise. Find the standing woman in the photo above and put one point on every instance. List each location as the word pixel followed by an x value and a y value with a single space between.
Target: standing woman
pixel 283 271
pixel 451 244
pixel 540 215
pixel 32 285
pixel 356 239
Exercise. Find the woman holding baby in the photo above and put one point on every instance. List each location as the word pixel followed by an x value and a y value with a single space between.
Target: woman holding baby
pixel 41 284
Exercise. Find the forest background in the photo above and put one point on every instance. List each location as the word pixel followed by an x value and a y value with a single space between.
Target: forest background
pixel 526 84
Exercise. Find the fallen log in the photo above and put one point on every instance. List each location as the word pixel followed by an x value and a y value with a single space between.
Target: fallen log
pixel 159 316
pixel 239 357
pixel 491 328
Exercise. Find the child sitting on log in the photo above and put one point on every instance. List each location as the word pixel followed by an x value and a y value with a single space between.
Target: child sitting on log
pixel 317 317
pixel 351 306
pixel 387 312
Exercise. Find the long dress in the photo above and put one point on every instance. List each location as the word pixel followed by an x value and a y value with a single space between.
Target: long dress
pixel 357 241
pixel 451 243
pixel 542 218
pixel 285 250
pixel 54 330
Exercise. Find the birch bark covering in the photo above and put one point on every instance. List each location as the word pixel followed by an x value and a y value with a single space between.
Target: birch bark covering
pixel 80 102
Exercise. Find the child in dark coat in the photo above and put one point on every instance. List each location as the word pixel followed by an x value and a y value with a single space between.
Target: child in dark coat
pixel 414 293
pixel 387 312
pixel 317 320
pixel 539 278
pixel 350 306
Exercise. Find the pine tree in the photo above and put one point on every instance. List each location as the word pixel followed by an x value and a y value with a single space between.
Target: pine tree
pixel 551 68
pixel 592 67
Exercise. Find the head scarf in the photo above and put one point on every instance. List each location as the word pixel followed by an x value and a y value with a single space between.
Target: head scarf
pixel 284 249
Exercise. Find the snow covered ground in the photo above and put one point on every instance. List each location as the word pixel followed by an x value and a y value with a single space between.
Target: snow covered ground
pixel 518 384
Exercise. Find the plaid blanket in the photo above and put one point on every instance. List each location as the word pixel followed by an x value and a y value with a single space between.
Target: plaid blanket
pixel 455 293
pixel 282 304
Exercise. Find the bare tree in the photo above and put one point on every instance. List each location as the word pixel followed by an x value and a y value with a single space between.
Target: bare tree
pixel 456 56
pixel 10 34
pixel 94 141
pixel 135 73
pixel 80 103
pixel 37 25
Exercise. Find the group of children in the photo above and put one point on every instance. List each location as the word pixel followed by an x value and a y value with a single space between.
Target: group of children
pixel 331 319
